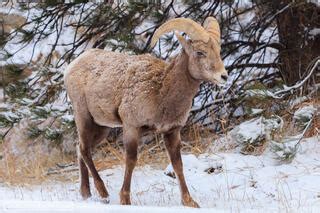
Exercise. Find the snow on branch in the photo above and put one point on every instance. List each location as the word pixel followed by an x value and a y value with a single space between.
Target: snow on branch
pixel 280 94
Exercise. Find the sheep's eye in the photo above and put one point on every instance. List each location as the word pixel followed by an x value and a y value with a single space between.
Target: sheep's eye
pixel 201 54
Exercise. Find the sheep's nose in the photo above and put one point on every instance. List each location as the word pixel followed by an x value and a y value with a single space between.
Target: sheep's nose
pixel 224 77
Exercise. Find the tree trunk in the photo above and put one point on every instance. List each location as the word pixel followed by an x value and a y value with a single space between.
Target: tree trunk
pixel 296 27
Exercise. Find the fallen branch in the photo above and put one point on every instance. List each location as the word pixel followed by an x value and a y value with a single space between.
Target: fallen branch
pixel 287 89
pixel 62 169
pixel 304 132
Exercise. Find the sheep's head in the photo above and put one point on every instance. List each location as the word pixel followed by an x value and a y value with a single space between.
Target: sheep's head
pixel 203 47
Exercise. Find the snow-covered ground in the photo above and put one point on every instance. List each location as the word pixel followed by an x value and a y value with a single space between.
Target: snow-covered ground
pixel 240 183
pixel 245 183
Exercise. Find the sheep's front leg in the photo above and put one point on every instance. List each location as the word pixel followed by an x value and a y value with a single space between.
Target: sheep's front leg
pixel 173 144
pixel 130 141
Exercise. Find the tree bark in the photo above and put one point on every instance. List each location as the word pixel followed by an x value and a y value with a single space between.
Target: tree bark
pixel 300 48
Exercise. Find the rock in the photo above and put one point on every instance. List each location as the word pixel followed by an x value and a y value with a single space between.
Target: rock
pixel 193 164
pixel 216 168
pixel 12 73
pixel 20 141
pixel 18 144
pixel 251 131
pixel 255 132
pixel 10 22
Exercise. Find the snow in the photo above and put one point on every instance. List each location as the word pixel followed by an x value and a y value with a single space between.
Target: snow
pixel 317 2
pixel 243 183
pixel 287 148
pixel 13 205
pixel 67 118
pixel 314 32
pixel 9 116
pixel 220 179
pixel 249 130
pixel 305 113
pixel 255 111
pixel 255 130
pixel 23 53
pixel 296 101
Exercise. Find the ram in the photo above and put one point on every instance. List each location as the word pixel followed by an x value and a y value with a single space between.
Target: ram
pixel 141 93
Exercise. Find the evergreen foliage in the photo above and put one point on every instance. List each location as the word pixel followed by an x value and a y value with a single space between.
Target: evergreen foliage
pixel 250 47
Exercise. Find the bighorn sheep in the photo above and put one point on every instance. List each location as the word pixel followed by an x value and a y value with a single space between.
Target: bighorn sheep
pixel 141 93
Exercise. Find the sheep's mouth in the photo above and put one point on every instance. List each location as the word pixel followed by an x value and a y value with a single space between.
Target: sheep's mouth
pixel 216 83
pixel 220 83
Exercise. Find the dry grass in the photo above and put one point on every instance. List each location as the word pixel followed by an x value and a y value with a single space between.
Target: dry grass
pixel 314 129
pixel 196 140
pixel 19 170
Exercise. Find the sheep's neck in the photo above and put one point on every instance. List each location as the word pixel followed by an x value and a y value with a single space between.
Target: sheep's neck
pixel 179 88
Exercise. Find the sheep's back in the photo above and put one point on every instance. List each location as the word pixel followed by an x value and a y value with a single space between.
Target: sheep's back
pixel 109 79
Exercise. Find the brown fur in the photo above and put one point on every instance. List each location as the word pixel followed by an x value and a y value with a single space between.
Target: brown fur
pixel 138 93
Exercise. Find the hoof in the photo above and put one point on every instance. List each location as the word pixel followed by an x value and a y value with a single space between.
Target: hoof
pixel 125 198
pixel 105 200
pixel 190 203
pixel 85 193
pixel 101 189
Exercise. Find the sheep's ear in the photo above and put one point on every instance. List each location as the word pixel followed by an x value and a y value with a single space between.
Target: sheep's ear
pixel 186 45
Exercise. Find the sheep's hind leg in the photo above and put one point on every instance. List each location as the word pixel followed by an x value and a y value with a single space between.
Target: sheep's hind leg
pixel 90 134
pixel 84 178
pixel 98 182
pixel 173 144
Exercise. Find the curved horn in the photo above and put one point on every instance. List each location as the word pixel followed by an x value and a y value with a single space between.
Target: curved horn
pixel 194 30
pixel 212 27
